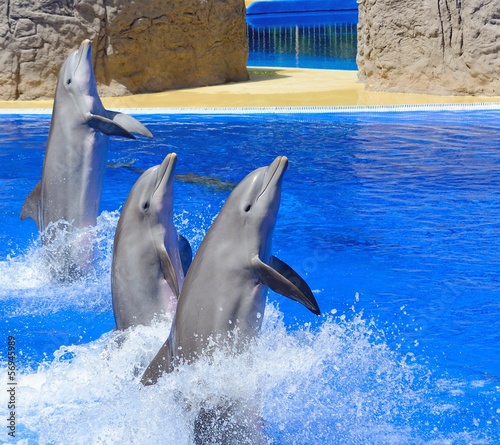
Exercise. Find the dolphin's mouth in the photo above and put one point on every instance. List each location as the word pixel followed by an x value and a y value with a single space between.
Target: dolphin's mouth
pixel 165 172
pixel 276 169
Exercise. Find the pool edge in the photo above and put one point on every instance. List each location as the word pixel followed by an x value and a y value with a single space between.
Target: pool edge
pixel 281 110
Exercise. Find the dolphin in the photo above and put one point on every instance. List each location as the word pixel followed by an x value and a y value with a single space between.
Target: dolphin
pixel 76 151
pixel 225 290
pixel 223 298
pixel 147 270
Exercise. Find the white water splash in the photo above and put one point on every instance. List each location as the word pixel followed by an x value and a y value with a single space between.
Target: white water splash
pixel 339 383
pixel 310 387
pixel 26 280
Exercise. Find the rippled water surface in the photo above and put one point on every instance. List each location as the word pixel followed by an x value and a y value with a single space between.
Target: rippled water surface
pixel 392 218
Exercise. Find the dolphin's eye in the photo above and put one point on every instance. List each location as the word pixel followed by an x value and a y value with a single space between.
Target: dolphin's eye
pixel 145 206
pixel 68 81
pixel 248 207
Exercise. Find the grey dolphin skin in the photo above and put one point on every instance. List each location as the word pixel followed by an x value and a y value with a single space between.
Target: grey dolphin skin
pixel 147 269
pixel 224 294
pixel 75 156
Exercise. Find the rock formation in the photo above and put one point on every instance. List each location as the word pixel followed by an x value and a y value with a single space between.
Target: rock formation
pixel 430 46
pixel 138 47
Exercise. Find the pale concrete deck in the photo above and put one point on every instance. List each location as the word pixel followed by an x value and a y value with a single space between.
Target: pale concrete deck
pixel 285 88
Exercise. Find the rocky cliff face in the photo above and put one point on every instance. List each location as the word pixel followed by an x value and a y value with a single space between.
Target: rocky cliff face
pixel 430 46
pixel 139 47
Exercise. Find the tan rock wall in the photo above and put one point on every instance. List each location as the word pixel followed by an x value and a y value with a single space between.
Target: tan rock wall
pixel 138 47
pixel 430 46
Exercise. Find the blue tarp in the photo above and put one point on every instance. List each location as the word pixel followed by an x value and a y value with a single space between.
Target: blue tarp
pixel 302 19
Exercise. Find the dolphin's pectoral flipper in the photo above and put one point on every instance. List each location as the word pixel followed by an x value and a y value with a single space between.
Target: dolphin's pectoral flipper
pixel 282 279
pixel 292 276
pixel 130 123
pixel 31 206
pixel 107 126
pixel 168 270
pixel 185 252
pixel 162 363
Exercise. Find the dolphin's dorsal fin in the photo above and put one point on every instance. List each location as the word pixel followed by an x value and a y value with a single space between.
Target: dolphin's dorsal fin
pixel 161 363
pixel 107 126
pixel 168 269
pixel 131 124
pixel 31 206
pixel 185 252
pixel 282 279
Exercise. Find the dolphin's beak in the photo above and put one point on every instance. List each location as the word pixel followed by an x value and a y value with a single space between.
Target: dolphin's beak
pixel 84 52
pixel 277 169
pixel 85 45
pixel 165 173
pixel 275 173
pixel 280 165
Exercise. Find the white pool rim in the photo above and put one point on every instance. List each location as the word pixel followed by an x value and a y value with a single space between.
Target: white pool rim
pixel 283 110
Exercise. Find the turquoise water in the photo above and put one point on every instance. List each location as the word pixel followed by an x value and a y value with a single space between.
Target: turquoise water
pixel 392 218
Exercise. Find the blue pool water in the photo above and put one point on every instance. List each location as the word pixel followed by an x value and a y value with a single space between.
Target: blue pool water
pixel 393 218
pixel 326 40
